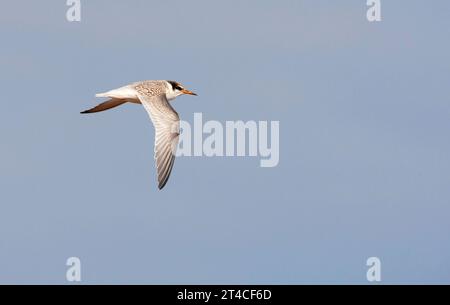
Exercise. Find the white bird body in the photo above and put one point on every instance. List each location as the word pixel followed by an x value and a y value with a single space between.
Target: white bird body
pixel 155 97
pixel 126 92
pixel 130 93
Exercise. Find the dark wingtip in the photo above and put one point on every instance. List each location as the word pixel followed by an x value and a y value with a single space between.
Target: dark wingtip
pixel 162 184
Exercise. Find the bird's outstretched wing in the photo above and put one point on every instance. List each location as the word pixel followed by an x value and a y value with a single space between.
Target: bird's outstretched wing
pixel 106 105
pixel 167 129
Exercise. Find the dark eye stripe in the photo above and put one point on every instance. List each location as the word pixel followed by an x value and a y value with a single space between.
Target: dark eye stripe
pixel 173 84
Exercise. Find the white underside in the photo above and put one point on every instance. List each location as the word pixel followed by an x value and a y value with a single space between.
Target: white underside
pixel 124 93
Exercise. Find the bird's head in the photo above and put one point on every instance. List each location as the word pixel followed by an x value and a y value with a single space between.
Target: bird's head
pixel 176 89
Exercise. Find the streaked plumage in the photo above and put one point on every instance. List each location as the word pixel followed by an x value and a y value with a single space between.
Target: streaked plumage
pixel 155 97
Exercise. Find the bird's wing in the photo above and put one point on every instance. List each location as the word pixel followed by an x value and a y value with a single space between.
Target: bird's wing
pixel 167 129
pixel 106 105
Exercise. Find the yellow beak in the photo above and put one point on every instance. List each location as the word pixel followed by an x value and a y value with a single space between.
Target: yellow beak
pixel 185 91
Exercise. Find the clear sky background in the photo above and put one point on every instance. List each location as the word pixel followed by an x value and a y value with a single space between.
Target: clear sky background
pixel 364 168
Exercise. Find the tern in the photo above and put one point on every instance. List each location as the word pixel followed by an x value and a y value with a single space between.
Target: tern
pixel 155 96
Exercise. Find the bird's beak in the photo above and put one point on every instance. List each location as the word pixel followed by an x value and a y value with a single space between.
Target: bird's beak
pixel 185 91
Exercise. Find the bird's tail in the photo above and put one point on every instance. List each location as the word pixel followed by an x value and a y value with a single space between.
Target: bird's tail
pixel 104 94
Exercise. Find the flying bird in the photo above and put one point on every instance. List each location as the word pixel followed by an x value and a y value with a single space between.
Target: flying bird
pixel 155 96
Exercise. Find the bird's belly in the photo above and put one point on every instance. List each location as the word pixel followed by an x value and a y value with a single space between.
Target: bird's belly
pixel 123 93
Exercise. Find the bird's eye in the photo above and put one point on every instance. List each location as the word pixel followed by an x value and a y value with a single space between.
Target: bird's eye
pixel 179 88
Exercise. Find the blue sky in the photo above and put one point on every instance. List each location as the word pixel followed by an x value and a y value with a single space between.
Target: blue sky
pixel 364 151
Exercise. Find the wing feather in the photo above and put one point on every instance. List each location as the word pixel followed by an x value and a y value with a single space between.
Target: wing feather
pixel 106 105
pixel 167 130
